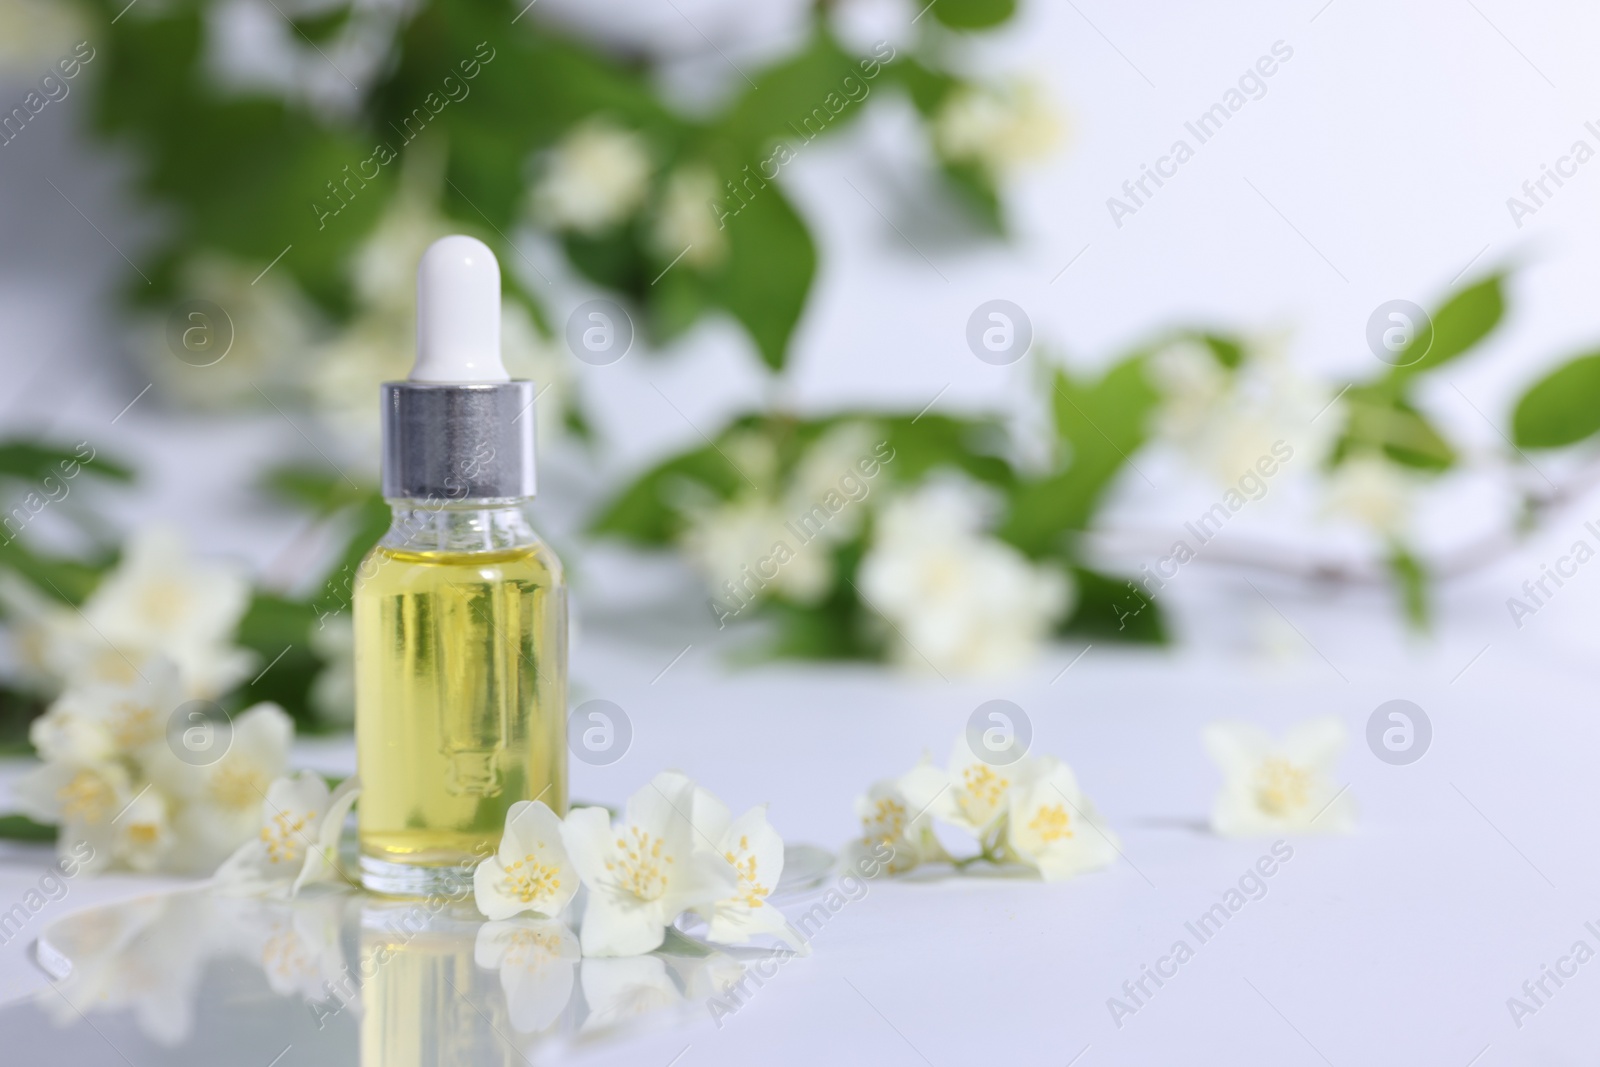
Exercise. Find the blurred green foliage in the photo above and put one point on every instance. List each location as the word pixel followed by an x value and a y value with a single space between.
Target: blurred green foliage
pixel 251 174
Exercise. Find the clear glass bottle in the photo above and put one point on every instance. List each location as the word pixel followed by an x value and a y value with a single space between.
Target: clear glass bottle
pixel 460 611
pixel 460 643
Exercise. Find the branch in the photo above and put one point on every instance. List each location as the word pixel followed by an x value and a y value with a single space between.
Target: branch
pixel 1466 559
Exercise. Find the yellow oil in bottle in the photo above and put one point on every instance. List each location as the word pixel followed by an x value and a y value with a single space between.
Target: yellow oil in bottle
pixel 461 706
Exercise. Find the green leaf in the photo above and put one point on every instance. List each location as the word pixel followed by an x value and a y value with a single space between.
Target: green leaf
pixel 1101 425
pixel 279 632
pixel 68 580
pixel 1380 421
pixel 929 442
pixel 973 14
pixel 768 273
pixel 1114 609
pixel 818 91
pixel 926 86
pixel 975 188
pixel 22 828
pixel 1229 352
pixel 1464 320
pixel 1562 408
pixel 645 513
pixel 1412 581
pixel 611 258
pixel 322 490
pixel 321 27
pixel 18 709
pixel 33 461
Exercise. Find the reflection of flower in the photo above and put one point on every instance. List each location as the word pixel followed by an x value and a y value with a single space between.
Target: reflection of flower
pixel 996 127
pixel 703 977
pixel 1053 827
pixel 686 223
pixel 1279 788
pixel 596 177
pixel 617 990
pixel 147 955
pixel 537 960
pixel 954 596
pixel 299 839
pixel 294 942
pixel 530 871
pixel 150 954
pixel 644 873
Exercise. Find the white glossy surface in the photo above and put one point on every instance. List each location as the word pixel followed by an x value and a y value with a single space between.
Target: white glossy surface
pixel 1399 945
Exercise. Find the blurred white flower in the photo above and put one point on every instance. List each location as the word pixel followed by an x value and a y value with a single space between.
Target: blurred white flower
pixel 34 623
pixel 957 599
pixel 1052 827
pixel 1371 491
pixel 644 873
pixel 333 693
pixel 595 178
pixel 685 222
pixel 530 870
pixel 298 843
pixel 222 799
pixel 384 269
pixel 830 473
pixel 112 779
pixel 1225 420
pixel 263 338
pixel 34 34
pixel 538 962
pixel 81 800
pixel 997 127
pixel 736 548
pixel 1273 788
pixel 99 721
pixel 144 833
pixel 158 604
pixel 161 601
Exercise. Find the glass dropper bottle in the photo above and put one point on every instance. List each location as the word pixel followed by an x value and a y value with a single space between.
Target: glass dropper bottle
pixel 460 610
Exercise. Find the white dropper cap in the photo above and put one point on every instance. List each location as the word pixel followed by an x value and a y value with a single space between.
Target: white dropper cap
pixel 458 313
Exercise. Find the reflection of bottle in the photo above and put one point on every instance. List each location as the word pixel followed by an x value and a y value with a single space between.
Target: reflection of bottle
pixel 424 1002
pixel 460 611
